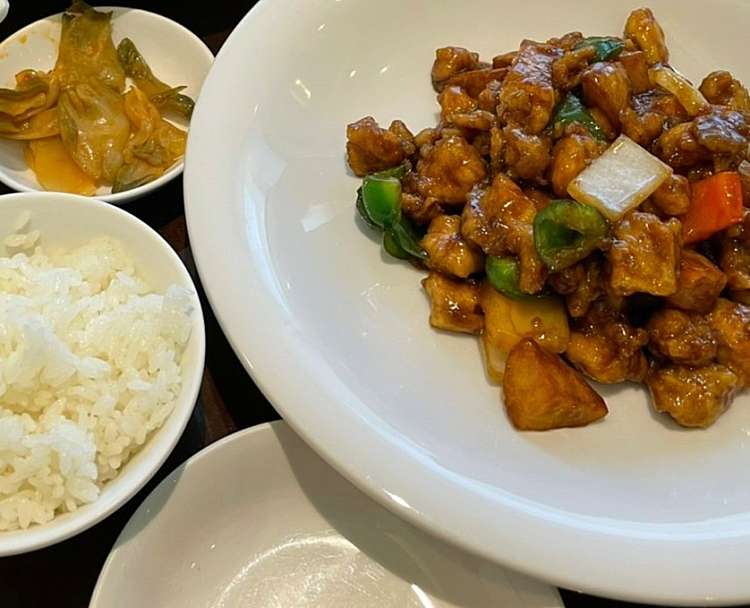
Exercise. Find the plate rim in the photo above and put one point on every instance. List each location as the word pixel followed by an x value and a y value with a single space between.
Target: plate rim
pixel 696 555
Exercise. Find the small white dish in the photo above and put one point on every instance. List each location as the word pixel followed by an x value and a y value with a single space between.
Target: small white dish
pixel 174 53
pixel 258 519
pixel 67 220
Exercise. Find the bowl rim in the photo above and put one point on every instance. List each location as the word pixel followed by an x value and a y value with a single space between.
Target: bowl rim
pixel 560 547
pixel 119 198
pixel 67 525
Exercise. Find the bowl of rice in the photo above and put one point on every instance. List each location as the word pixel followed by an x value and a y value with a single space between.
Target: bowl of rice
pixel 102 348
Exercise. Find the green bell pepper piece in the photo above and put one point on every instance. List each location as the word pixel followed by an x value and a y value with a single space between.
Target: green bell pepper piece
pixel 572 110
pixel 407 237
pixel 503 274
pixel 381 197
pixel 566 231
pixel 606 47
pixel 392 246
pixel 363 212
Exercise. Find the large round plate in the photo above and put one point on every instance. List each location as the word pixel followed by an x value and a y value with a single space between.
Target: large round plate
pixel 337 336
pixel 280 528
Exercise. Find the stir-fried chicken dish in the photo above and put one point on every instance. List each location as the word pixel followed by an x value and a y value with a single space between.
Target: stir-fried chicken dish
pixel 584 209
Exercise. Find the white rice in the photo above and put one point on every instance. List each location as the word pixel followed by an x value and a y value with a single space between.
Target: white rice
pixel 89 369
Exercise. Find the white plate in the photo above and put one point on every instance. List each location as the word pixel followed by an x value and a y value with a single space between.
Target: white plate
pixel 176 55
pixel 337 336
pixel 258 519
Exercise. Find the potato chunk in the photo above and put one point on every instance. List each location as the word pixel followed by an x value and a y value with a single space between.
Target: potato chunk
pixel 645 255
pixel 541 392
pixel 694 397
pixel 455 304
pixel 699 284
pixel 731 323
pixel 448 251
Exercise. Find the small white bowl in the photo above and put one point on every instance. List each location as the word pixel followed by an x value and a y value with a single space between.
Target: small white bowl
pixel 174 53
pixel 67 220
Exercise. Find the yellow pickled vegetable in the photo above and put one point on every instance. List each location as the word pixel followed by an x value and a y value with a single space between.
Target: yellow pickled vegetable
pixel 55 169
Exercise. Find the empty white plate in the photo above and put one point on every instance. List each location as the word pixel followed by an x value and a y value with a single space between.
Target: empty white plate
pixel 258 519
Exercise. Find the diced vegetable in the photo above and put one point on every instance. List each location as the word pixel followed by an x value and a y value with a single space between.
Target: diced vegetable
pixel 620 179
pixel 403 234
pixel 689 96
pixel 392 246
pixel 508 320
pixel 382 199
pixel 164 96
pixel 716 204
pixel 398 172
pixel 494 358
pixel 541 392
pixel 572 110
pixel 363 212
pixel 379 205
pixel 566 231
pixel 503 274
pixel 607 47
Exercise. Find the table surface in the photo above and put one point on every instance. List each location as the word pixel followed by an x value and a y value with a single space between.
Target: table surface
pixel 229 400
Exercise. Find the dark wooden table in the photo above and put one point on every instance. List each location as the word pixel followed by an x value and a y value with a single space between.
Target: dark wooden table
pixel 64 576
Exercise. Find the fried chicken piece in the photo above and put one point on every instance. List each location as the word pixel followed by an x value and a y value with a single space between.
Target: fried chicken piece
pixel 681 337
pixel 476 81
pixel 605 347
pixel 449 170
pixel 679 147
pixel 643 29
pixel 734 258
pixel 526 156
pixel 722 131
pixel 699 283
pixel 448 251
pixel 731 323
pixel 645 255
pixel 581 284
pixel 568 69
pixel 606 86
pixel 499 219
pixel 722 89
pixel 571 155
pixel 452 60
pixel 673 196
pixel 528 96
pixel 636 66
pixel 371 148
pixel 692 396
pixel 454 304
